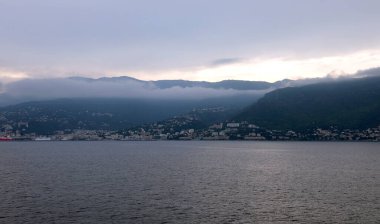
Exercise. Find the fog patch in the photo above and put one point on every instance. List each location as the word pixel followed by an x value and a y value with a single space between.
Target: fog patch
pixel 46 89
pixel 368 72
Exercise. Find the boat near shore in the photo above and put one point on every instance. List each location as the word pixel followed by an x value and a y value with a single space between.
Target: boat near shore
pixel 5 139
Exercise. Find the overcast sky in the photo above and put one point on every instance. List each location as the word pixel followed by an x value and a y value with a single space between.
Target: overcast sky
pixel 197 40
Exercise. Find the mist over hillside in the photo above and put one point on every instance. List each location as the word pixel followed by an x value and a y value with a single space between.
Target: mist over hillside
pixel 129 88
pixel 48 105
pixel 115 103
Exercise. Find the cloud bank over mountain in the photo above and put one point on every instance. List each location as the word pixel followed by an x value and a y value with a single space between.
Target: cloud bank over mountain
pixel 120 87
pixel 127 87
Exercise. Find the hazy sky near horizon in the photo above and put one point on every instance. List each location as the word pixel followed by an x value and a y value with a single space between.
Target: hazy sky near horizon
pixel 197 40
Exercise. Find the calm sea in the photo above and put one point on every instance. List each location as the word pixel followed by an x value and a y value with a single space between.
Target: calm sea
pixel 189 182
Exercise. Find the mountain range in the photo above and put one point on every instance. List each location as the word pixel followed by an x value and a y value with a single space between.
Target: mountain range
pixel 48 105
pixel 129 88
pixel 117 103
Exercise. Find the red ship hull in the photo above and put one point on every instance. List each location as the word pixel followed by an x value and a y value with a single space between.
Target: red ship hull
pixel 5 139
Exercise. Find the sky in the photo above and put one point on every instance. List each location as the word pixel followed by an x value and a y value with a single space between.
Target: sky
pixel 212 40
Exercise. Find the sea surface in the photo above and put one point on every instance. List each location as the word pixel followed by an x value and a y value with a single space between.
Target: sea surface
pixel 189 182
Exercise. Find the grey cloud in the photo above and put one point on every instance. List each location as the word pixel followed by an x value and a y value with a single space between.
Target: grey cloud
pixel 335 77
pixel 369 72
pixel 226 61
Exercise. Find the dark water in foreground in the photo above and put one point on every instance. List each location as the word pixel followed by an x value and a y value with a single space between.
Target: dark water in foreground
pixel 189 182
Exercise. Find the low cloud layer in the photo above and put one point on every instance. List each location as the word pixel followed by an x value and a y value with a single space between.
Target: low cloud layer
pixel 126 87
pixel 45 89
pixel 368 73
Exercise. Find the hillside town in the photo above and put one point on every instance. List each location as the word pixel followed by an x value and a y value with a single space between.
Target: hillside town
pixel 189 128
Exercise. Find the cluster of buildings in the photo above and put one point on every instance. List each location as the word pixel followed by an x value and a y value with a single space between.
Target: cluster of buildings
pixel 370 134
pixel 246 131
pixel 190 128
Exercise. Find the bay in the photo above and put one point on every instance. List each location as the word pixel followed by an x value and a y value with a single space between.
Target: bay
pixel 189 182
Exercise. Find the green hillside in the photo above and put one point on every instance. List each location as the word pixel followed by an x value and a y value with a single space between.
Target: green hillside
pixel 351 104
pixel 46 117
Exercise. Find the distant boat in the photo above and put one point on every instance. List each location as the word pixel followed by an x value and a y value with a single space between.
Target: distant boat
pixel 5 139
pixel 42 139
